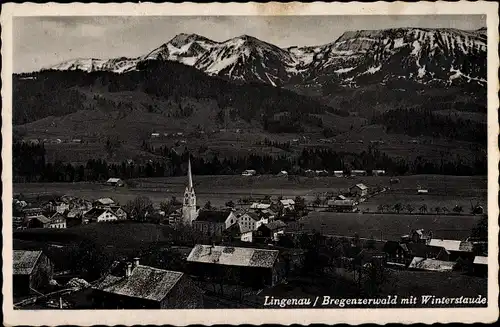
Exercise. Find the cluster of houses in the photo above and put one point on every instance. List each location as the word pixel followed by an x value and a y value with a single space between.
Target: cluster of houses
pixel 421 251
pixel 66 211
pixel 324 173
pixel 257 224
pixel 349 201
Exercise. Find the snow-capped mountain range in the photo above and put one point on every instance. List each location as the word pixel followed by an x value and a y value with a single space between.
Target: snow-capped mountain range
pixel 442 56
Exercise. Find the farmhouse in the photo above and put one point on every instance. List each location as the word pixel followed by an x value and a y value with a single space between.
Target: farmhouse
pixel 397 253
pixel 271 231
pixel 32 271
pixel 287 204
pixel 457 249
pixel 255 267
pixel 143 287
pixel 214 222
pixel 358 172
pixel 104 203
pixel 249 172
pixel 422 191
pixel 115 182
pixel 345 205
pixel 420 236
pixel 321 173
pixel 57 221
pixel 119 212
pixel 250 220
pixel 378 172
pixel 282 173
pixel 238 232
pixel 360 190
pixel 338 173
pixel 61 207
pixel 431 265
pixel 99 215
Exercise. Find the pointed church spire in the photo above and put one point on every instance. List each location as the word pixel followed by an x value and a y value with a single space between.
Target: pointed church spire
pixel 190 177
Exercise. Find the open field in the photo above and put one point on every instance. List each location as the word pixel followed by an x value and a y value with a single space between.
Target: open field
pixel 445 190
pixel 388 226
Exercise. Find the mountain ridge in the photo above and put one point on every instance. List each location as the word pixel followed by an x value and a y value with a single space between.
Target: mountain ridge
pixel 445 56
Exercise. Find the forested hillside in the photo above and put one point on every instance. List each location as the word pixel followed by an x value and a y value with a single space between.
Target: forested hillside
pixel 34 97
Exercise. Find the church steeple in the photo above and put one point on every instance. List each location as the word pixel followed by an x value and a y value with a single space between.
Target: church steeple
pixel 189 211
pixel 190 176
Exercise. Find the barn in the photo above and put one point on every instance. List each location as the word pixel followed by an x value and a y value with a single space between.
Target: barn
pixel 32 271
pixel 247 266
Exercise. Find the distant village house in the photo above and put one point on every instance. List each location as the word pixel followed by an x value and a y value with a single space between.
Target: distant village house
pixel 249 172
pixel 214 222
pixel 115 182
pixel 99 215
pixel 359 190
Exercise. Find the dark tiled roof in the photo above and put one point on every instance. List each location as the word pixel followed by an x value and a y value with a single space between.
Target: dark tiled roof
pixel 213 216
pixel 424 251
pixel 94 213
pixel 145 282
pixel 25 261
pixel 40 218
pixel 431 265
pixel 273 225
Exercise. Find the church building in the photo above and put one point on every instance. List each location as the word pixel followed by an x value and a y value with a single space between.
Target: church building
pixel 189 211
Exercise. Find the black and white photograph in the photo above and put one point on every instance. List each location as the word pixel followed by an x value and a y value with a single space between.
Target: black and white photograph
pixel 249 162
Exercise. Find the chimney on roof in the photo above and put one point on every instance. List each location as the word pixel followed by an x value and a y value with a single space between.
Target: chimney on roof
pixel 128 271
pixel 136 262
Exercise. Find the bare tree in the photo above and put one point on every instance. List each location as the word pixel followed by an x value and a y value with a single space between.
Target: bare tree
pixel 140 207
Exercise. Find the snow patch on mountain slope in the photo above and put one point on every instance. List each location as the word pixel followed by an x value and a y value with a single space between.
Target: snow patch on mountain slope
pixel 344 70
pixel 373 70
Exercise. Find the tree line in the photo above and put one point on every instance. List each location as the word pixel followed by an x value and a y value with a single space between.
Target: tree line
pixel 416 122
pixel 29 165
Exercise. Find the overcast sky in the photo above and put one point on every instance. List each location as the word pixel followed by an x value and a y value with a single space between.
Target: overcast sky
pixel 44 41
